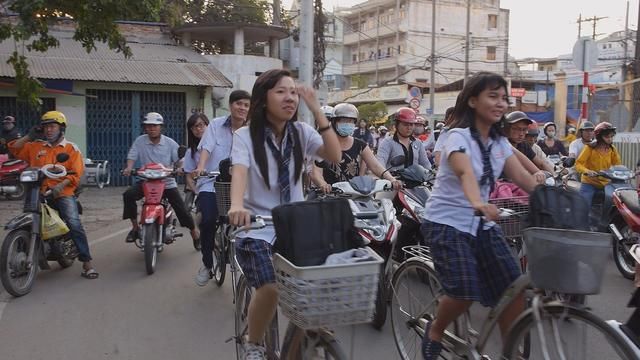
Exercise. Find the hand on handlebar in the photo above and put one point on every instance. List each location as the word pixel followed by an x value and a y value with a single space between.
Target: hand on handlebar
pixel 195 174
pixel 397 184
pixel 489 211
pixel 127 171
pixel 326 188
pixel 239 216
pixel 540 176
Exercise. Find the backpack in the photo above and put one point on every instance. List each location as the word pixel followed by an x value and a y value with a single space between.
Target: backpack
pixel 307 232
pixel 558 208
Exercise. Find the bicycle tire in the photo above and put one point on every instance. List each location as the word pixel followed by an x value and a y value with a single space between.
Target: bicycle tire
pixel 380 311
pixel 296 343
pixel 220 251
pixel 243 291
pixel 565 320
pixel 404 316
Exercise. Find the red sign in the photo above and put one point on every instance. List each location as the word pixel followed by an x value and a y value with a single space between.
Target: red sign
pixel 518 92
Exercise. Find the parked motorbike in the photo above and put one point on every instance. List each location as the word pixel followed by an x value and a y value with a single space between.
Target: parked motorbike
pixel 157 220
pixel 26 247
pixel 10 185
pixel 377 225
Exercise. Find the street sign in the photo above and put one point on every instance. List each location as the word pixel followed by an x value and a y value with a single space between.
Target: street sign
pixel 415 92
pixel 518 92
pixel 414 103
pixel 585 54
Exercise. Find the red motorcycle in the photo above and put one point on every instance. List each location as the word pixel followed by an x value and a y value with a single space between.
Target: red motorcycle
pixel 157 220
pixel 625 224
pixel 10 170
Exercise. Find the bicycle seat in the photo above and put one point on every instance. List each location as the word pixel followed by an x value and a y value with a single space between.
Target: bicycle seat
pixel 630 198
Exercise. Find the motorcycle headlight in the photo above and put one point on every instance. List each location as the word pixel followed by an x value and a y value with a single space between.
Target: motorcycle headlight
pixel 29 176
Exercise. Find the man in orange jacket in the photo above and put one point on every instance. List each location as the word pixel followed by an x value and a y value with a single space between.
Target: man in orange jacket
pixel 41 152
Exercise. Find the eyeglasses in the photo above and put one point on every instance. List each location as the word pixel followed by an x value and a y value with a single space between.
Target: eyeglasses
pixel 199 126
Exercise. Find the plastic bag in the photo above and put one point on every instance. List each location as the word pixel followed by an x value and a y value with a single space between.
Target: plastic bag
pixel 52 224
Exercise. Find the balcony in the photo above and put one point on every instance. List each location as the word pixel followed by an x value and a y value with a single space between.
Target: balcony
pixel 369 35
pixel 369 66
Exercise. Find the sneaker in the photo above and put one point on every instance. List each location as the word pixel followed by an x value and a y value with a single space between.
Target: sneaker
pixel 430 348
pixel 253 352
pixel 203 276
pixel 132 236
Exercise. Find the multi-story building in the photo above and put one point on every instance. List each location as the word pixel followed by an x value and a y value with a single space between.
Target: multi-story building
pixel 390 40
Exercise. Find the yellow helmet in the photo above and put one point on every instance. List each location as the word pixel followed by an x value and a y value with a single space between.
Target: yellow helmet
pixel 51 117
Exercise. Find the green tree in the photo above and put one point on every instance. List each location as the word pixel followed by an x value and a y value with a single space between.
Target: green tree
pixel 373 112
pixel 94 22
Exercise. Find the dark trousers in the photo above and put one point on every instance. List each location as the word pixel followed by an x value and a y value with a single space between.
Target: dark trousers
pixel 206 204
pixel 134 193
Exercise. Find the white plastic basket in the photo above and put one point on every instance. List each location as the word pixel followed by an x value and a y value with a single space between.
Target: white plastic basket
pixel 314 297
pixel 567 261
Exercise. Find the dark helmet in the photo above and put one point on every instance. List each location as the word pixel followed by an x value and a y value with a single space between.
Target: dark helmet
pixel 602 129
pixel 516 116
pixel 406 115
pixel 587 125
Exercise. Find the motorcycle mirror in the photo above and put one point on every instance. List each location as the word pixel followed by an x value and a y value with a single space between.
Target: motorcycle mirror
pixel 182 150
pixel 62 157
pixel 397 160
pixel 568 162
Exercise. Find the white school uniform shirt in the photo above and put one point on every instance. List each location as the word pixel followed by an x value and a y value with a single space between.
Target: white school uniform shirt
pixel 447 204
pixel 259 199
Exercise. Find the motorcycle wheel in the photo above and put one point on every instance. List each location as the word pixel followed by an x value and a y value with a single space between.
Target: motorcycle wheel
pixel 16 275
pixel 19 194
pixel 380 312
pixel 624 261
pixel 150 247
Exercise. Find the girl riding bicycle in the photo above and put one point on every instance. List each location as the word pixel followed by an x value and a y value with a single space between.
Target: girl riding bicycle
pixel 470 255
pixel 268 159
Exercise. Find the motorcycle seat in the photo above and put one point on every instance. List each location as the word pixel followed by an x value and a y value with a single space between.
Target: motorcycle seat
pixel 11 162
pixel 630 198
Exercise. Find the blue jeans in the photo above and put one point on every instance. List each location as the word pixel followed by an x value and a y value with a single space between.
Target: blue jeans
pixel 587 191
pixel 67 207
pixel 206 204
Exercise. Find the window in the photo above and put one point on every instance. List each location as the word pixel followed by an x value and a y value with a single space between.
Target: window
pixel 493 21
pixel 354 58
pixel 491 52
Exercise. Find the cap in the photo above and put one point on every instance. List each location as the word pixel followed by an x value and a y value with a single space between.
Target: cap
pixel 517 116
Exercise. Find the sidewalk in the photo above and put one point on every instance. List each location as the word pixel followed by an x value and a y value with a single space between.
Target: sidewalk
pixel 102 207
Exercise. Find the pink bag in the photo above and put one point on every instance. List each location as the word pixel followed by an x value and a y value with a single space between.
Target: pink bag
pixel 507 190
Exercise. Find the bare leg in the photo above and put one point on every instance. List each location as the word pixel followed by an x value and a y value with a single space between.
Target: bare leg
pixel 448 310
pixel 262 308
pixel 510 314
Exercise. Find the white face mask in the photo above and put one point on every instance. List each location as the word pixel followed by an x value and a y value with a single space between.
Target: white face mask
pixel 551 133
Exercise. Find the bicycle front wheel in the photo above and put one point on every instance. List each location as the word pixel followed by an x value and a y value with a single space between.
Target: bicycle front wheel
pixel 414 295
pixel 220 250
pixel 565 332
pixel 310 345
pixel 243 299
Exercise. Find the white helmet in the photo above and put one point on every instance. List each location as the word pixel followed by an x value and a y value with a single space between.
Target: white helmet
pixel 345 110
pixel 153 118
pixel 383 128
pixel 327 111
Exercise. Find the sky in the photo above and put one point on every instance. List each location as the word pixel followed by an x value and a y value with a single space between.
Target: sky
pixel 548 28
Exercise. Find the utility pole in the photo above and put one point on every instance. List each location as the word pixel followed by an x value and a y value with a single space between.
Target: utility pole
pixel 594 21
pixel 432 80
pixel 636 86
pixel 467 42
pixel 626 49
pixel 306 55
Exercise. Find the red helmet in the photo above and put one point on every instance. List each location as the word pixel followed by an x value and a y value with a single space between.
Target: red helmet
pixel 405 115
pixel 603 127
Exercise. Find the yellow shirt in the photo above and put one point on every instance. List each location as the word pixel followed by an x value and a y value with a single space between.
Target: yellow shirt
pixel 595 160
pixel 568 139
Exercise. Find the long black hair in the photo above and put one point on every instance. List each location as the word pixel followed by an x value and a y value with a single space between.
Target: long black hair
pixel 192 141
pixel 258 121
pixel 463 115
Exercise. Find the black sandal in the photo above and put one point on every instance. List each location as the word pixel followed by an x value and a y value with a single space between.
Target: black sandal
pixel 90 274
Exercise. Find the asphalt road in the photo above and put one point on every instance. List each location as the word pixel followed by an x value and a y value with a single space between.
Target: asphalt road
pixel 126 314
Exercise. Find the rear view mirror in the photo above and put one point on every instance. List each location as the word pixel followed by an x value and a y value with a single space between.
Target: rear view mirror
pixel 62 157
pixel 182 150
pixel 568 162
pixel 397 160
